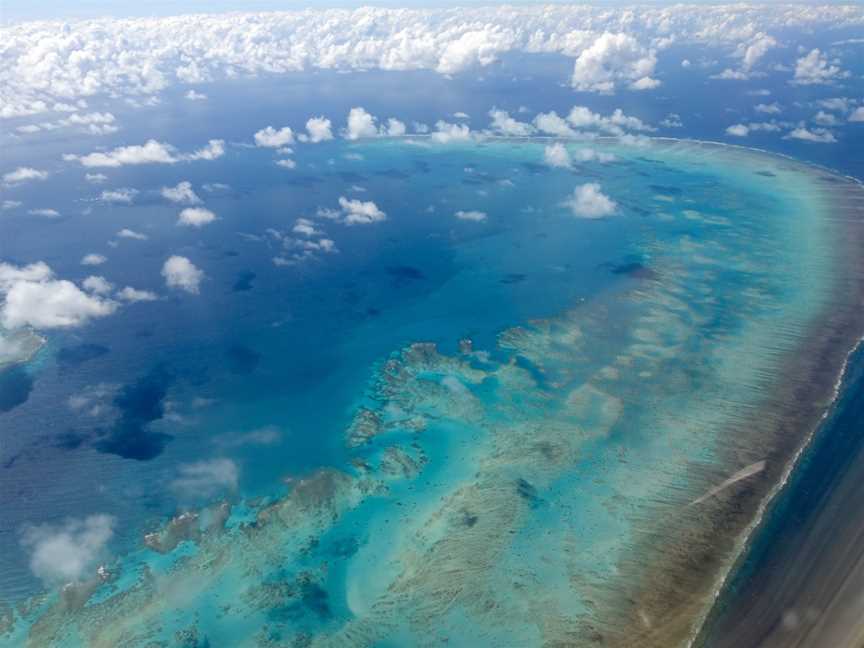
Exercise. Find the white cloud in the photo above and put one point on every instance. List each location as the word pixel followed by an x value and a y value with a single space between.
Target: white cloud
pixel 672 120
pixel 588 201
pixel 286 164
pixel 151 152
pixel 556 155
pixel 819 135
pixel 840 104
pixel 826 119
pixel 32 296
pixel 181 194
pixel 271 138
pixel 814 68
pixel 738 130
pixel 768 109
pixel 97 285
pixel 617 123
pixel 319 129
pixel 305 227
pixel 503 123
pixel 215 149
pixel 131 234
pixel 360 124
pixel 473 215
pixel 47 212
pixel 123 196
pixel 192 95
pixel 204 479
pixel 130 294
pixel 613 59
pixel 395 128
pixel 10 204
pixel 68 552
pixel 857 115
pixel 750 53
pixel 134 59
pixel 93 260
pixel 196 217
pixel 446 132
pixel 358 212
pixel 95 178
pixel 179 272
pixel 24 174
pixel 553 124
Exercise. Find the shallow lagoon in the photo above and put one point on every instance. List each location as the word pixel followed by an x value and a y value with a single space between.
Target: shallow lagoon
pixel 544 482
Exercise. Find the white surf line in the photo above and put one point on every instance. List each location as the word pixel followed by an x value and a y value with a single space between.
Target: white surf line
pixel 744 473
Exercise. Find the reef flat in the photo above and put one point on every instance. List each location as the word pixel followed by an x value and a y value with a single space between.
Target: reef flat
pixel 588 478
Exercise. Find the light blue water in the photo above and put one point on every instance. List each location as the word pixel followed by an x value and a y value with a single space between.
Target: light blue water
pixel 505 491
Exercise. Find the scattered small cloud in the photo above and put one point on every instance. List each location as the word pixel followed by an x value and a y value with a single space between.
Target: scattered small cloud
pixel 93 259
pixel 70 551
pixel 97 285
pixel 319 129
pixel 556 155
pixel 738 130
pixel 818 135
pixel 588 201
pixel 130 294
pixel 123 196
pixel 192 95
pixel 180 273
pixel 814 68
pixel 43 211
pixel 205 479
pixel 23 174
pixel 473 215
pixel 195 217
pixel 131 234
pixel 271 138
pixel 359 212
pixel 181 194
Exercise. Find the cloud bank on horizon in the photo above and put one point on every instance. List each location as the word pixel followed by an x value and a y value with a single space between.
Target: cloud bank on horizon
pixel 612 48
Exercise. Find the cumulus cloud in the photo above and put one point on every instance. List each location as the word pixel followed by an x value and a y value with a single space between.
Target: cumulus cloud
pixel 319 129
pixel 556 155
pixel 857 115
pixel 588 201
pixel 98 285
pixel 123 196
pixel 359 212
pixel 196 217
pixel 446 132
pixel 70 551
pixel 750 53
pixel 192 95
pixel 130 294
pixel 553 124
pixel 818 135
pixel 613 59
pixel 95 178
pixel 271 138
pixel 360 124
pixel 738 130
pixel 473 215
pixel 24 174
pixel 768 109
pixel 286 164
pixel 179 272
pixel 814 68
pixel 10 204
pixel 93 259
pixel 504 124
pixel 182 193
pixel 204 479
pixel 593 155
pixel 131 234
pixel 140 57
pixel 151 152
pixel 32 296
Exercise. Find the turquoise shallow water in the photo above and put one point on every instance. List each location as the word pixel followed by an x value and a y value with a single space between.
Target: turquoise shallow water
pixel 481 428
